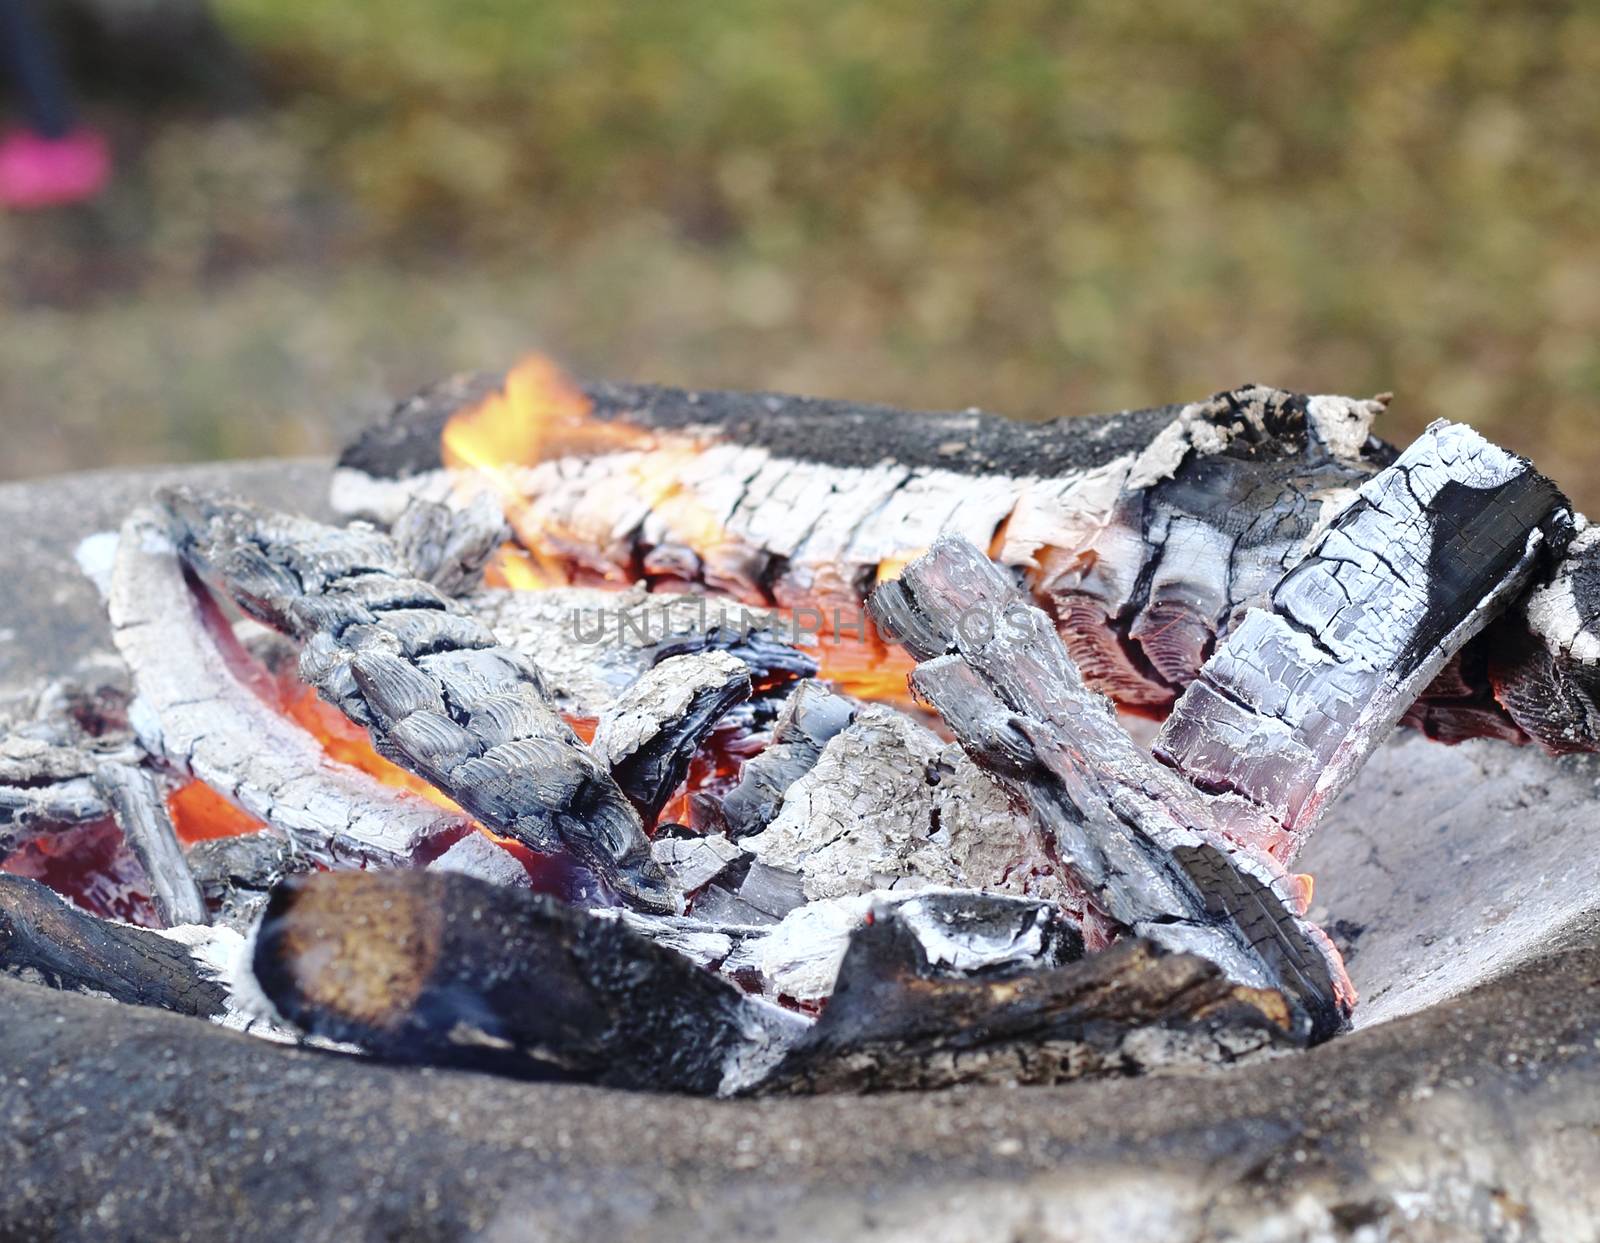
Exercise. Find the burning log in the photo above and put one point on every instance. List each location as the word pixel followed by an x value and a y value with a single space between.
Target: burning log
pixel 649 734
pixel 1127 525
pixel 444 969
pixel 899 1019
pixel 448 546
pixel 1145 534
pixel 436 692
pixel 194 712
pixel 1145 847
pixel 1290 706
pixel 141 809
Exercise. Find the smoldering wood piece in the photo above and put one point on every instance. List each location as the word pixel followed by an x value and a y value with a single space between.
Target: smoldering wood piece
pixel 449 545
pixel 962 933
pixel 1429 552
pixel 445 969
pixel 436 692
pixel 888 803
pixel 810 717
pixel 45 939
pixel 1143 531
pixel 140 804
pixel 1146 849
pixel 194 712
pixel 29 811
pixel 895 1023
pixel 590 644
pixel 47 766
pixel 235 874
pixel 651 731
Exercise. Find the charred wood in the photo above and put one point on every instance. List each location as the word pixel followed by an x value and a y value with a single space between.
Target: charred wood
pixel 235 874
pixel 444 969
pixel 1428 553
pixel 1146 849
pixel 810 718
pixel 437 693
pixel 651 731
pixel 46 940
pixel 140 805
pixel 195 713
pixel 1145 534
pixel 896 1022
pixel 447 545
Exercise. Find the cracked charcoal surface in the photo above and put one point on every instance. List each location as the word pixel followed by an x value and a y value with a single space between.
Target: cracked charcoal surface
pixel 193 711
pixel 1292 703
pixel 1145 848
pixel 435 690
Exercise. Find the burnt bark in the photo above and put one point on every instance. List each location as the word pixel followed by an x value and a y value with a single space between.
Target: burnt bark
pixel 436 692
pixel 140 805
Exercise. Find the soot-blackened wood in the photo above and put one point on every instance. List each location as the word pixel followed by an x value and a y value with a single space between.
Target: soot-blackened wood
pixel 45 939
pixel 650 733
pixel 448 970
pixel 1146 849
pixel 235 874
pixel 140 804
pixel 1289 707
pixel 898 1020
pixel 438 694
pixel 194 712
pixel 1543 662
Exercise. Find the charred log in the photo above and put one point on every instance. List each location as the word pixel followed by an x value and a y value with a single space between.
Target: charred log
pixel 437 693
pixel 235 874
pixel 811 716
pixel 1146 848
pixel 1145 534
pixel 195 713
pixel 47 941
pixel 448 546
pixel 1428 553
pixel 444 969
pixel 896 1020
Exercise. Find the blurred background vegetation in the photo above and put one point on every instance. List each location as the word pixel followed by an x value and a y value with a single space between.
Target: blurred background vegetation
pixel 1037 207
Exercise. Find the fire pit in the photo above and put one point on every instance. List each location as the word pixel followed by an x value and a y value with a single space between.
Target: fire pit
pixel 1075 905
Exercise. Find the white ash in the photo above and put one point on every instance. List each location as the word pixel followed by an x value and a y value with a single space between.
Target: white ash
pixel 657 699
pixel 476 855
pixel 694 862
pixel 1554 613
pixel 888 804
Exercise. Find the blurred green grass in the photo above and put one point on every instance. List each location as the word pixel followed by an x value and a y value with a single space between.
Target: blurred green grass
pixel 1041 208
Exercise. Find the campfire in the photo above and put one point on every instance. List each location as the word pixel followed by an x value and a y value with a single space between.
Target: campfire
pixel 741 744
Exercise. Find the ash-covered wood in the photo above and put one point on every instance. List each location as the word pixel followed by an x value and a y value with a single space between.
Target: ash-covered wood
pixel 46 940
pixel 448 545
pixel 437 693
pixel 1143 531
pixel 810 717
pixel 195 713
pixel 140 804
pixel 476 855
pixel 445 969
pixel 898 1019
pixel 1145 534
pixel 590 644
pixel 1147 850
pixel 47 768
pixel 1428 553
pixel 651 731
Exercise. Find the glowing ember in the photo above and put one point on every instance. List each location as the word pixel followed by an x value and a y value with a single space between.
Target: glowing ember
pixel 199 814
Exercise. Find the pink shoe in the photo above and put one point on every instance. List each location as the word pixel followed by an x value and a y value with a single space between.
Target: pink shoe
pixel 48 172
